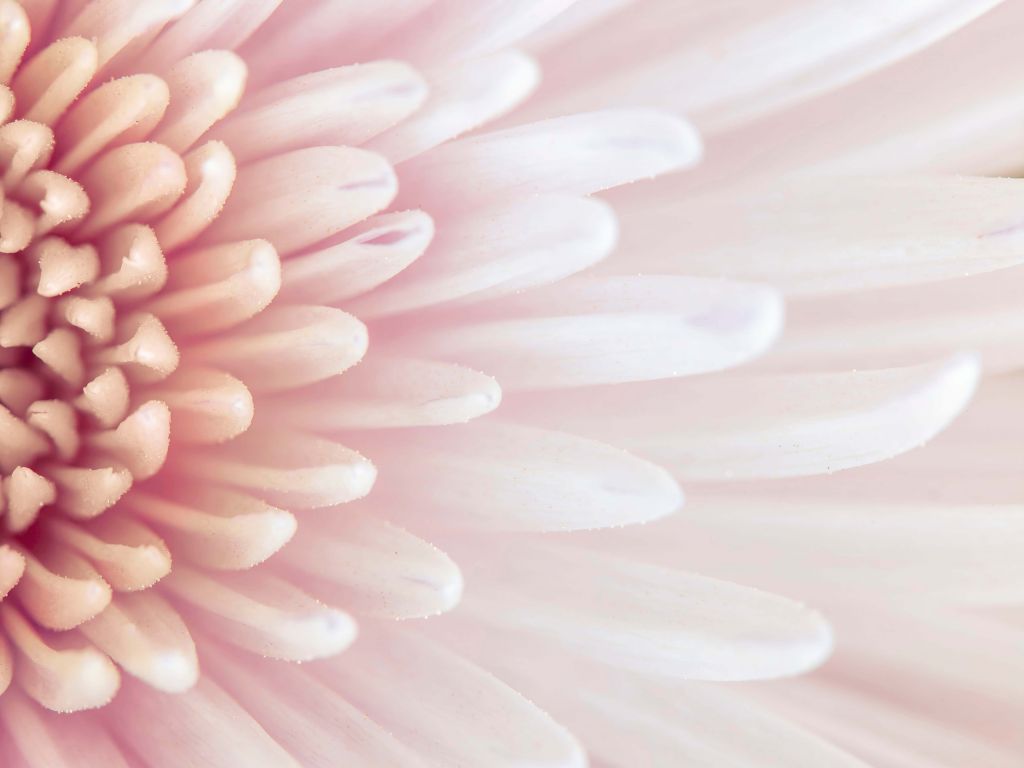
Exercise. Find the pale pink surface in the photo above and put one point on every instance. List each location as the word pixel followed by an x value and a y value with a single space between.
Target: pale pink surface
pixel 429 274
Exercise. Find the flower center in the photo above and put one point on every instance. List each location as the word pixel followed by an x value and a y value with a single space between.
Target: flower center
pixel 75 346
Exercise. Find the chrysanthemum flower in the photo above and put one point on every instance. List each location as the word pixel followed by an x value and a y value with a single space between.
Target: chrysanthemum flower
pixel 262 257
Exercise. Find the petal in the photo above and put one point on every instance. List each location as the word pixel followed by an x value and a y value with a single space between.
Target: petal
pixel 589 331
pixel 314 723
pixel 208 724
pixel 823 235
pixel 770 426
pixel 504 249
pixel 343 106
pixel 640 617
pixel 364 257
pixel 260 613
pixel 577 155
pixel 494 476
pixel 448 710
pixel 295 199
pixel 388 392
pixel 289 468
pixel 728 67
pixel 213 527
pixel 463 96
pixel 371 567
pixel 147 638
pixel 43 741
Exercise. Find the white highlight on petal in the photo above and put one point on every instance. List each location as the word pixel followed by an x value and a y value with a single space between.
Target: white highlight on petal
pixel 388 392
pixel 218 731
pixel 577 155
pixel 298 198
pixel 749 426
pixel 449 710
pixel 463 96
pixel 261 613
pixel 831 234
pixel 371 567
pixel 285 467
pixel 147 638
pixel 588 331
pixel 509 247
pixel 505 477
pixel 343 106
pixel 640 617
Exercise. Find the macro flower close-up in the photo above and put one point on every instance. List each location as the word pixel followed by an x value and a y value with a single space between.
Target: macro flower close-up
pixel 511 384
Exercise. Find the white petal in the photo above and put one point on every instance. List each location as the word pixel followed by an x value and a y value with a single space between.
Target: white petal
pixel 388 392
pixel 854 547
pixel 727 67
pixel 497 476
pixel 579 155
pixel 504 249
pixel 588 331
pixel 311 35
pixel 885 733
pixel 214 527
pixel 809 236
pixel 206 726
pixel 450 711
pixel 284 467
pixel 360 259
pixel 463 96
pixel 287 346
pixel 295 199
pixel 260 613
pixel 753 426
pixel 902 325
pixel 461 29
pixel 209 25
pixel 40 740
pixel 343 106
pixel 371 567
pixel 147 638
pixel 315 724
pixel 640 617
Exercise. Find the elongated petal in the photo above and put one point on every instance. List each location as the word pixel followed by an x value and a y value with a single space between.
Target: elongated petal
pixel 505 249
pixel 42 741
pixel 293 469
pixel 219 732
pixel 261 613
pixel 641 617
pixel 463 96
pixel 314 723
pixel 285 347
pixel 214 527
pixel 581 154
pixel 371 566
pixel 344 106
pixel 592 331
pixel 442 699
pixel 462 29
pixel 907 324
pixel 772 426
pixel 505 477
pixel 295 199
pixel 725 68
pixel 388 392
pixel 147 638
pixel 811 236
pixel 365 256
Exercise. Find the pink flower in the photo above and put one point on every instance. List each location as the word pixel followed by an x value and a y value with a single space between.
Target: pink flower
pixel 269 267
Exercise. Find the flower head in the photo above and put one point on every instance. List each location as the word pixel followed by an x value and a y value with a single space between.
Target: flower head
pixel 261 258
